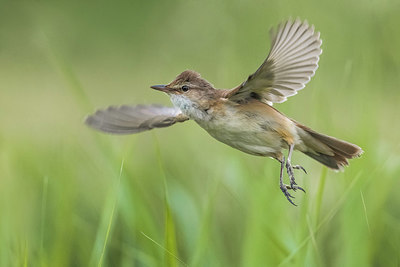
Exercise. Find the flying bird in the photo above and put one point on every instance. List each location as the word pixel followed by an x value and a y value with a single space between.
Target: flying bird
pixel 243 117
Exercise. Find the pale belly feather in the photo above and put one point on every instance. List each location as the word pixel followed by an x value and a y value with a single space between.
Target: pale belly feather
pixel 255 136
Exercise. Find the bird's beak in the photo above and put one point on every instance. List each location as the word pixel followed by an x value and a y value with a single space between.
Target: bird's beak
pixel 161 87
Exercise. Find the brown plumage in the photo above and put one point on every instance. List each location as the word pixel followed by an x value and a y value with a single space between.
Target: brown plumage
pixel 191 77
pixel 341 150
pixel 243 117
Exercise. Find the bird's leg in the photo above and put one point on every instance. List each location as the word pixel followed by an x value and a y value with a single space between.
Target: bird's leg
pixel 285 187
pixel 289 169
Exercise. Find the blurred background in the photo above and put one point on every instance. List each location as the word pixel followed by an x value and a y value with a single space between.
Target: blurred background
pixel 70 196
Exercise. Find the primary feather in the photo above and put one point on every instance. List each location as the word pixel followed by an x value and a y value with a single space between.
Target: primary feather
pixel 291 62
pixel 134 119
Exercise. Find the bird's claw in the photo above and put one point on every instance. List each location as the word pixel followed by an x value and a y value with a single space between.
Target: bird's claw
pixel 285 191
pixel 298 167
pixel 295 187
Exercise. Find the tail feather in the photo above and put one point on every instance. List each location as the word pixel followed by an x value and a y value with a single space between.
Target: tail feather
pixel 330 151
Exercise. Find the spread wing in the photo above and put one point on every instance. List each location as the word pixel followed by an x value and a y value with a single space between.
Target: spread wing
pixel 292 61
pixel 134 119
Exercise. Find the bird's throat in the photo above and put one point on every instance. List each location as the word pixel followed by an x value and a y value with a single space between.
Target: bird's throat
pixel 188 107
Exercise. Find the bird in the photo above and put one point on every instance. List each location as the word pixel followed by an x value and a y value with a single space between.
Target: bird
pixel 244 117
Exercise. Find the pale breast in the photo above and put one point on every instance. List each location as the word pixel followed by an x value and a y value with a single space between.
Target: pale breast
pixel 252 131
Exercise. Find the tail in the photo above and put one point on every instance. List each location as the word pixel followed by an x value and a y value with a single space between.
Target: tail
pixel 328 150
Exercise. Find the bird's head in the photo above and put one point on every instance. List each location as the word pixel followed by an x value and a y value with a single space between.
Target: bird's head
pixel 189 83
pixel 189 91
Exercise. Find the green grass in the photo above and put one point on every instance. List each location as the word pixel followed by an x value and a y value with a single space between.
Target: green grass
pixel 70 196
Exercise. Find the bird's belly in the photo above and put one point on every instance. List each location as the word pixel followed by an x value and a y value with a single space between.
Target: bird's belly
pixel 246 135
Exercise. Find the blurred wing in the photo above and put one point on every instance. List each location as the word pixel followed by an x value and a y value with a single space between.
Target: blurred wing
pixel 134 119
pixel 292 61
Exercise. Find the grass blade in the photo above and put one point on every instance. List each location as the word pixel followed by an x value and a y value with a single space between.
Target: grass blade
pixel 100 246
pixel 320 193
pixel 365 211
pixel 166 250
pixel 43 214
pixel 170 234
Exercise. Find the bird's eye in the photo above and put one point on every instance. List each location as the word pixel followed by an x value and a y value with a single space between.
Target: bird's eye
pixel 185 88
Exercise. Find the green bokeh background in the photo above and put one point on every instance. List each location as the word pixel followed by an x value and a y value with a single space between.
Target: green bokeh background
pixel 70 196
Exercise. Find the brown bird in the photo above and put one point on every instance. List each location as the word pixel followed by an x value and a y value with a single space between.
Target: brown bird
pixel 243 117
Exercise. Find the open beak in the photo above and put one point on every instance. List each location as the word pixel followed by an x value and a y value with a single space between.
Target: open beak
pixel 161 87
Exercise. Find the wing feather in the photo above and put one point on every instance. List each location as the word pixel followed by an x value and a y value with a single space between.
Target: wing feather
pixel 291 62
pixel 134 119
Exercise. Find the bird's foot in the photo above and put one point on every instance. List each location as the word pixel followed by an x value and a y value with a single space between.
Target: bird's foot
pixel 289 169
